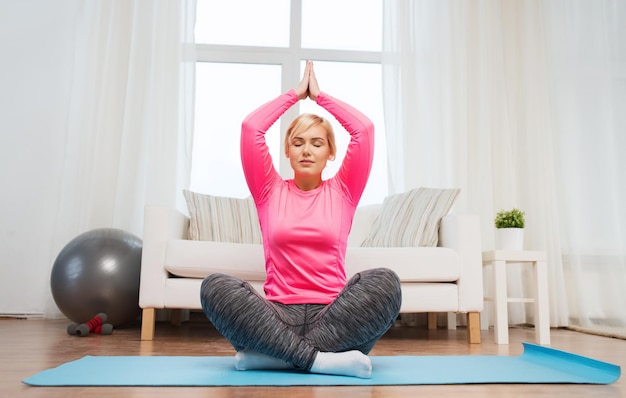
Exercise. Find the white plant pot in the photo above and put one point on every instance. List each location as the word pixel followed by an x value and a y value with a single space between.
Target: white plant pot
pixel 509 238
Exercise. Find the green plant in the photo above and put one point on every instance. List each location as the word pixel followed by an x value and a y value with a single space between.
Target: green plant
pixel 509 219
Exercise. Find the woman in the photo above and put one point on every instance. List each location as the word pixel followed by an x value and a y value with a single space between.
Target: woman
pixel 311 318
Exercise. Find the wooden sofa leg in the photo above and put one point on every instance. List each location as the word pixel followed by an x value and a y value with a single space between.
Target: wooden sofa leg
pixel 147 323
pixel 473 327
pixel 432 321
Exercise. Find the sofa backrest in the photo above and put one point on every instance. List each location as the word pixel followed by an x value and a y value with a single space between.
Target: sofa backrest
pixel 362 224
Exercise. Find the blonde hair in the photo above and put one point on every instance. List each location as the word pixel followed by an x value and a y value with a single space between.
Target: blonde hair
pixel 304 122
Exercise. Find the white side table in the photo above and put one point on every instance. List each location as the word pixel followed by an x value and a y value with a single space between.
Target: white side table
pixel 499 259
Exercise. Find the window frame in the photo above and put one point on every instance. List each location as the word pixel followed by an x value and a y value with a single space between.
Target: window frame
pixel 289 59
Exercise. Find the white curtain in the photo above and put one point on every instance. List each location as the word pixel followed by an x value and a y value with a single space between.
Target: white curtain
pixel 130 118
pixel 587 46
pixel 520 104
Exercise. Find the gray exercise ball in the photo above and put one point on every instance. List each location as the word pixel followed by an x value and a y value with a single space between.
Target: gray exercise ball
pixel 98 271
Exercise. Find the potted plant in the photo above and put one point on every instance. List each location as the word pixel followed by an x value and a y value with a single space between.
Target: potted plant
pixel 509 229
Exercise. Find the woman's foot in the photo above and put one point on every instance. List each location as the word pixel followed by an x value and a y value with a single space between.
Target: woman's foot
pixel 250 360
pixel 348 363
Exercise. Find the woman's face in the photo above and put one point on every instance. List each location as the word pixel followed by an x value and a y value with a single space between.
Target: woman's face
pixel 309 151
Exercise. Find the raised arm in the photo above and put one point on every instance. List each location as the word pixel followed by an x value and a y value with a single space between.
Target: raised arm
pixel 255 156
pixel 357 163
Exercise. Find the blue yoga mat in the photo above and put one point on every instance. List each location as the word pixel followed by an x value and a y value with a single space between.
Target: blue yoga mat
pixel 536 364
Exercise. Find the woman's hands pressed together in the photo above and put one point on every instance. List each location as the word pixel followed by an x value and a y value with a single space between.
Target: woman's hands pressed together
pixel 308 86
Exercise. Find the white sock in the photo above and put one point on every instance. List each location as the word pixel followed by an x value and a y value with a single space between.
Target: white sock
pixel 250 360
pixel 349 363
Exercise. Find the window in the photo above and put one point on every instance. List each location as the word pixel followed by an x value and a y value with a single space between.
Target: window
pixel 223 100
pixel 249 52
pixel 243 22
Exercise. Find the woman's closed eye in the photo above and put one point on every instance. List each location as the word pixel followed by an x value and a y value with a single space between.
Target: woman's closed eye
pixel 316 142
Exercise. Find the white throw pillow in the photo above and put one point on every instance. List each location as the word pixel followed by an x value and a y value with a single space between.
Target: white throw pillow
pixel 222 219
pixel 411 218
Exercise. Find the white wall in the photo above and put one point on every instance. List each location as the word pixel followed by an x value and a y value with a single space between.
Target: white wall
pixel 36 42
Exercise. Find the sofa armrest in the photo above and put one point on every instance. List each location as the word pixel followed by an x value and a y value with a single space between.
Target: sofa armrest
pixel 161 224
pixel 462 233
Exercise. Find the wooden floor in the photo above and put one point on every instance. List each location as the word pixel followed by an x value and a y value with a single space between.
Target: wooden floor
pixel 30 346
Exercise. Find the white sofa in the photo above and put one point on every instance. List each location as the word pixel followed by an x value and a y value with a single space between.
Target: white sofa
pixel 447 278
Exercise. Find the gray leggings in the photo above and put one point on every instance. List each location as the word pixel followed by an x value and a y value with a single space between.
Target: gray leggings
pixel 363 311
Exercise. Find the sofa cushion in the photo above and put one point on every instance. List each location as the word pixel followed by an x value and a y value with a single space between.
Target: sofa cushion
pixel 195 259
pixel 198 259
pixel 412 264
pixel 222 219
pixel 364 218
pixel 411 218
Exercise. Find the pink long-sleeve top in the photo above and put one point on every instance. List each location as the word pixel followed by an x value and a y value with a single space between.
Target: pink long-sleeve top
pixel 305 233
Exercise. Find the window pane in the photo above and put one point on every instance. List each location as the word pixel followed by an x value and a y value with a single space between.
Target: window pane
pixel 225 94
pixel 243 22
pixel 342 25
pixel 360 86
